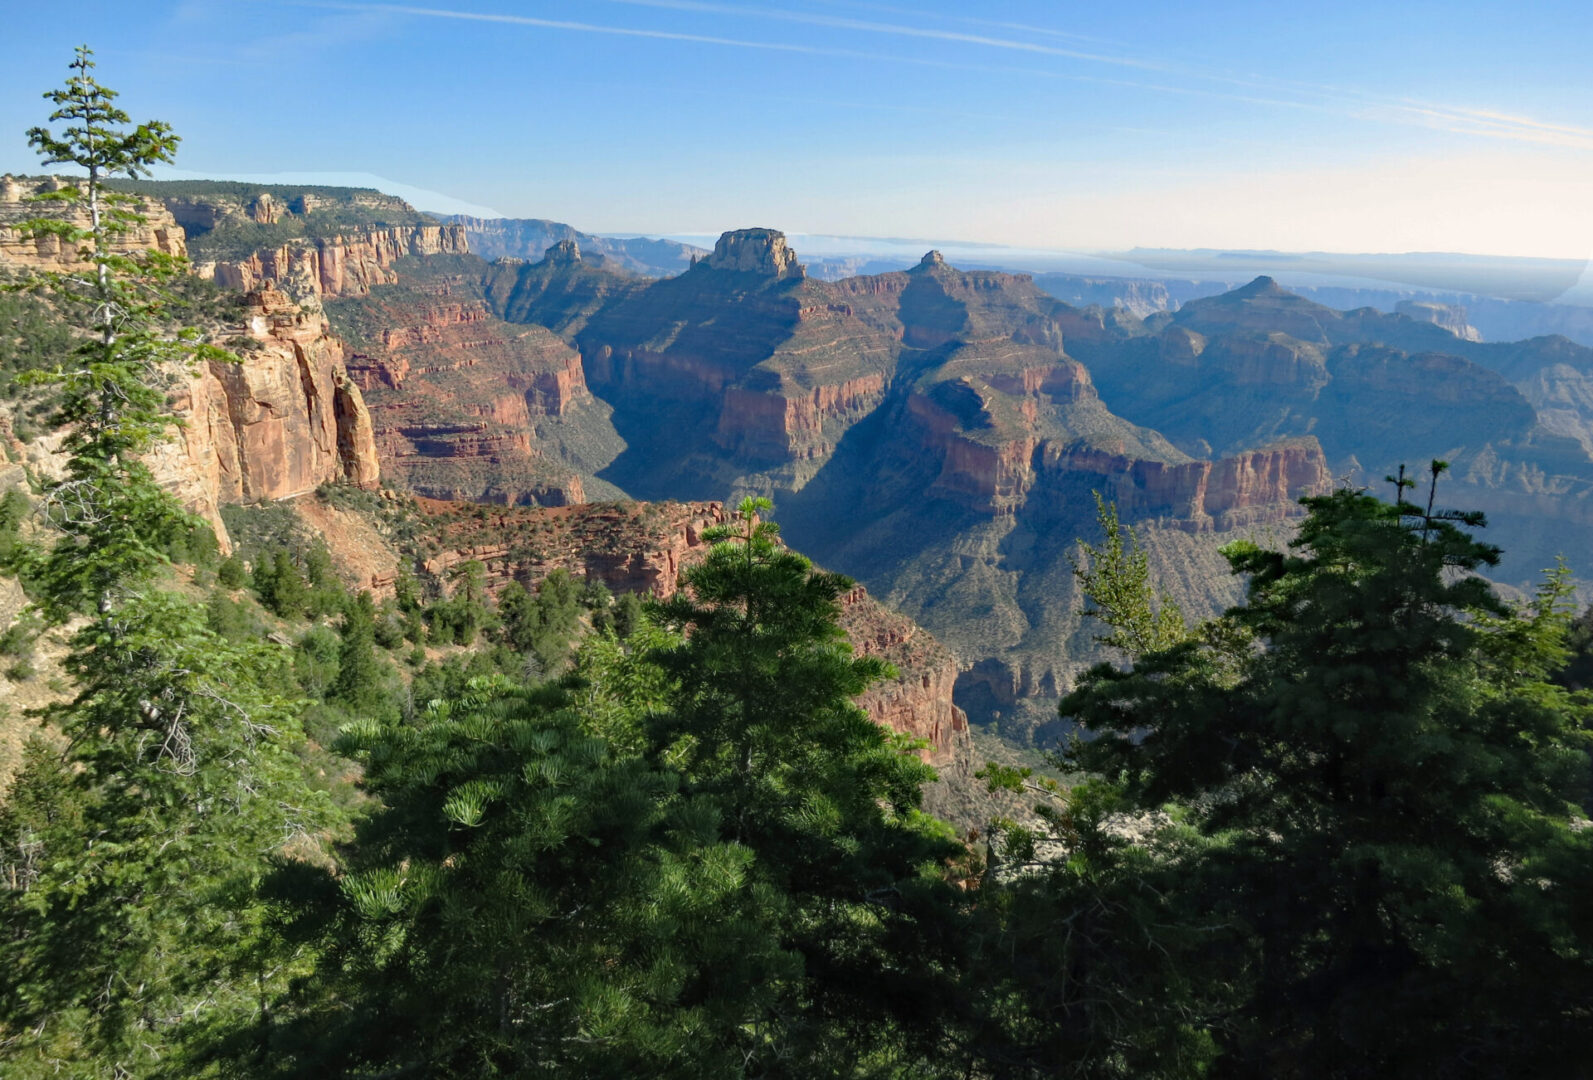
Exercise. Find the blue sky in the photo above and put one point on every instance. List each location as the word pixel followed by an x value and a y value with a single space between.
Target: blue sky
pixel 1349 127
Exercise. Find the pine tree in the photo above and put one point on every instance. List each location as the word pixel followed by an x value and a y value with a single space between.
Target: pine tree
pixel 531 901
pixel 361 687
pixel 1385 788
pixel 762 724
pixel 138 938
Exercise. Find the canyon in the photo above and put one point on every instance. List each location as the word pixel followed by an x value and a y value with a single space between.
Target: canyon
pixel 937 433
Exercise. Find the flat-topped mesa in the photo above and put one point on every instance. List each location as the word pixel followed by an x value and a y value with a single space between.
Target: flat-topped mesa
pixel 756 251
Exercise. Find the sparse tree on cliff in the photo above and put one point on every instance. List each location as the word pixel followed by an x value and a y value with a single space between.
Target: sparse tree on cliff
pixel 139 936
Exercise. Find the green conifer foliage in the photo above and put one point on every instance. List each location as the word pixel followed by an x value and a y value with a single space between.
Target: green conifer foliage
pixel 530 903
pixel 762 724
pixel 1385 786
pixel 362 684
pixel 139 937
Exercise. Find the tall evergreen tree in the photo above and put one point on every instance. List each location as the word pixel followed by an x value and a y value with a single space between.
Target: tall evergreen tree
pixel 530 902
pixel 1386 785
pixel 137 938
pixel 762 723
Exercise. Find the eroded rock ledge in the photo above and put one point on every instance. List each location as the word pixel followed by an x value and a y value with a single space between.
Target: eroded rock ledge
pixel 642 547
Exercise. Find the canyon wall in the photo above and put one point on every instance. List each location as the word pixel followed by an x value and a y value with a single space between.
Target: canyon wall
pixel 45 251
pixel 345 264
pixel 467 406
pixel 279 423
pixel 643 547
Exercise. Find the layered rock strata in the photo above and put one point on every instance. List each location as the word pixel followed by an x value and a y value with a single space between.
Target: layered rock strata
pixel 277 424
pixel 349 263
pixel 644 547
pixel 466 406
pixel 45 251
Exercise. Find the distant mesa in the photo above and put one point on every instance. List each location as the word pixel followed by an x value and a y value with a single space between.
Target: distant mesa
pixel 932 258
pixel 1451 317
pixel 756 251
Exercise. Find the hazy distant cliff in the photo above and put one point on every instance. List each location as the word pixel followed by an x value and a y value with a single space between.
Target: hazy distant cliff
pixel 530 238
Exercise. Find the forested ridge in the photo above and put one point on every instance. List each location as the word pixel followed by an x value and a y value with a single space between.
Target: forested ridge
pixel 274 827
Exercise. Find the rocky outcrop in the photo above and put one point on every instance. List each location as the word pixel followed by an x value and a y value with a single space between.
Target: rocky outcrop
pixel 279 423
pixel 990 475
pixel 44 251
pixel 1451 317
pixel 918 701
pixel 1250 488
pixel 346 264
pixel 636 547
pixel 1261 486
pixel 995 467
pixel 755 251
pixel 643 547
pixel 791 424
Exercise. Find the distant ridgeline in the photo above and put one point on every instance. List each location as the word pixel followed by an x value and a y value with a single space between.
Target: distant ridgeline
pixel 936 433
pixel 530 238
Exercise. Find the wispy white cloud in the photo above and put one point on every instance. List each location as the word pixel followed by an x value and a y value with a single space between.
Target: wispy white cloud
pixel 594 28
pixel 1485 123
pixel 838 22
pixel 1171 78
pixel 970 20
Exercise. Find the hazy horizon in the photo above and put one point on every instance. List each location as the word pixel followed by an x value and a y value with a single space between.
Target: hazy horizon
pixel 1453 128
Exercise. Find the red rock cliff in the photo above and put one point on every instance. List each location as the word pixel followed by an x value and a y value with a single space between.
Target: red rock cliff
pixel 456 393
pixel 347 264
pixel 642 547
pixel 281 422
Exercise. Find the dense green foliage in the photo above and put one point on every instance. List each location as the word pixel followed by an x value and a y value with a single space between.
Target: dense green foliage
pixel 132 934
pixel 1374 784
